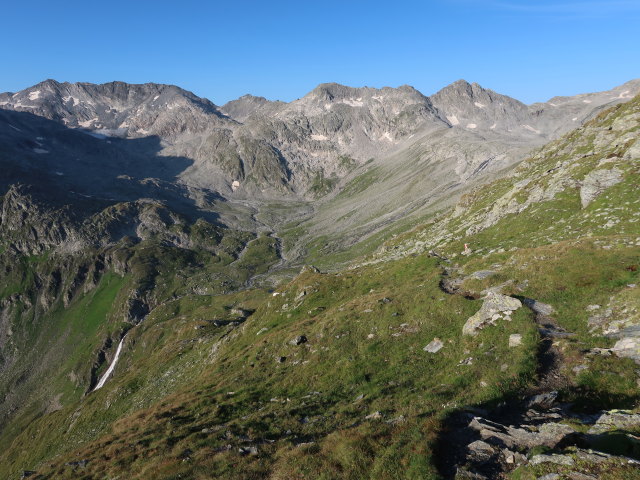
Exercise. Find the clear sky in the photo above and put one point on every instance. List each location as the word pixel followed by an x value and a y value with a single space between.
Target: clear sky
pixel 279 49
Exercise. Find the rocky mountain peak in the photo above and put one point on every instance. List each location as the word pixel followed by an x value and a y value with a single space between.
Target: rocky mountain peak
pixel 49 83
pixel 460 85
pixel 470 106
pixel 335 92
pixel 253 146
pixel 247 105
pixel 116 108
pixel 331 91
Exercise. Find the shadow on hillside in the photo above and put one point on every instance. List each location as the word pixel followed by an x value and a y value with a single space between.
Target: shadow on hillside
pixel 452 446
pixel 69 166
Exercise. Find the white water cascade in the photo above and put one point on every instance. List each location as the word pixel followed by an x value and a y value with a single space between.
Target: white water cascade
pixel 106 375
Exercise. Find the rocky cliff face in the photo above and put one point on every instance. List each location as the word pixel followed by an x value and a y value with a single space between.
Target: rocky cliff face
pixel 253 147
pixel 30 228
pixel 470 106
pixel 585 164
pixel 118 108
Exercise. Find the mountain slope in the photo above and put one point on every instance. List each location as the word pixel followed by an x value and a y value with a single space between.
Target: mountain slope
pixel 358 373
pixel 118 108
pixel 303 149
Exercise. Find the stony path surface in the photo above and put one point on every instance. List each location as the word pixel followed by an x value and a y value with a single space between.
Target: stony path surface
pixel 484 444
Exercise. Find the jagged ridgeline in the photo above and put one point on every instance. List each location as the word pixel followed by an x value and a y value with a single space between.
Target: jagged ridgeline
pixel 422 359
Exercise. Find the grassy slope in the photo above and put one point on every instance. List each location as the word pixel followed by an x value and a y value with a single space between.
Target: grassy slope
pixel 312 396
pixel 55 349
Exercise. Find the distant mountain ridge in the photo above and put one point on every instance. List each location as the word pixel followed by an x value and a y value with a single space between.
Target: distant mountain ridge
pixel 160 141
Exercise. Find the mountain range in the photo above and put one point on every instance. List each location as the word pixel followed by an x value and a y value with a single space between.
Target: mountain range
pixel 360 283
pixel 119 142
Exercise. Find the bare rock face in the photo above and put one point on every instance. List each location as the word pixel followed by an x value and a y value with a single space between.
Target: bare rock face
pixel 633 152
pixel 256 148
pixel 614 420
pixel 249 105
pixel 118 108
pixel 492 309
pixel 596 182
pixel 549 434
pixel 472 107
pixel 30 227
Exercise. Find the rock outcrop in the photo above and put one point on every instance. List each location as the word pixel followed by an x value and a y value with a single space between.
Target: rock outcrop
pixel 495 307
pixel 596 182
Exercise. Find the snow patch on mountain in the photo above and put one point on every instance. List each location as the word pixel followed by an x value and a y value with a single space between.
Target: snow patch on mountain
pixel 531 129
pixel 386 136
pixel 87 123
pixel 357 102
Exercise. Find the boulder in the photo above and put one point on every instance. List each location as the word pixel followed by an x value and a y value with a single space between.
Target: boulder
pixel 591 456
pixel 309 268
pixel 616 419
pixel 464 474
pixel 494 304
pixel 514 438
pixel 555 458
pixel 543 401
pixel 580 476
pixel 513 458
pixel 539 307
pixel 628 347
pixel 374 416
pixel 480 452
pixel 501 303
pixel 299 340
pixel 515 340
pixel 481 274
pixel 434 346
pixel 249 450
pixel 596 182
pixel 240 312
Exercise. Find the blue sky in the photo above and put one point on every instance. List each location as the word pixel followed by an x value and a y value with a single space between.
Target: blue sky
pixel 531 50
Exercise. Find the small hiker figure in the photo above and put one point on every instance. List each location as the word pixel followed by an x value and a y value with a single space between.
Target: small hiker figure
pixel 467 250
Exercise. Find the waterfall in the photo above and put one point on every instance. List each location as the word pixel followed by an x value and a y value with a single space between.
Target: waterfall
pixel 106 375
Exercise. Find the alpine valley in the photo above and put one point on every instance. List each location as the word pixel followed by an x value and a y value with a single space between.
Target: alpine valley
pixel 361 283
